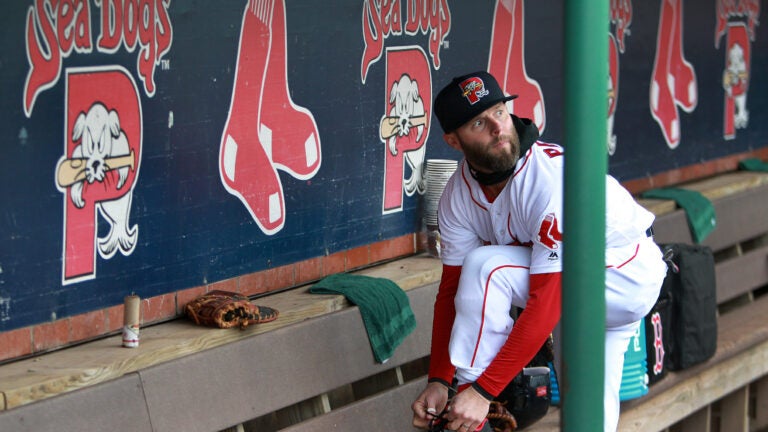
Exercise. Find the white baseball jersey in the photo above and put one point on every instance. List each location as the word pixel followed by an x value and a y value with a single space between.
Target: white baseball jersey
pixel 529 211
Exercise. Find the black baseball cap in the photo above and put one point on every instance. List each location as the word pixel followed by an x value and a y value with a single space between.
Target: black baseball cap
pixel 465 97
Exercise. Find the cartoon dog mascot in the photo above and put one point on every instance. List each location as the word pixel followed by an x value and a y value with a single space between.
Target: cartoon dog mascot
pixel 735 83
pixel 101 137
pixel 408 108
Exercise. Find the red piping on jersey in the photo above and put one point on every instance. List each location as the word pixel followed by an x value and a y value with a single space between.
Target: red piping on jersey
pixel 466 182
pixel 516 241
pixel 637 248
pixel 485 299
pixel 526 157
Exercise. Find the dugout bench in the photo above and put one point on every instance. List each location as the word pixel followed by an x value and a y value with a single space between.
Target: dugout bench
pixel 313 368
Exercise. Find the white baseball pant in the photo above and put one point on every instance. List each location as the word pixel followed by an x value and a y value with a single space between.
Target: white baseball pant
pixel 495 278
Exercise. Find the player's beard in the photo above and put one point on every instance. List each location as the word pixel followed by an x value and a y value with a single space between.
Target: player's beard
pixel 492 157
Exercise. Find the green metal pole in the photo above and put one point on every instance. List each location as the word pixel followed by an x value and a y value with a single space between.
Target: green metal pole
pixel 585 123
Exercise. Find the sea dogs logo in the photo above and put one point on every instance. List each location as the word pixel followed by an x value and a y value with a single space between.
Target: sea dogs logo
pixel 621 18
pixel 384 18
pixel 100 167
pixel 737 21
pixel 406 126
pixel 613 91
pixel 473 89
pixel 55 29
pixel 103 137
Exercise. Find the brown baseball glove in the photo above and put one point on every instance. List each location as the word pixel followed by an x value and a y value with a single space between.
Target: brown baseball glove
pixel 224 309
pixel 500 419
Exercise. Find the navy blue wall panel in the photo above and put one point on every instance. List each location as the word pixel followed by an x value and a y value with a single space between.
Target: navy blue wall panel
pixel 187 79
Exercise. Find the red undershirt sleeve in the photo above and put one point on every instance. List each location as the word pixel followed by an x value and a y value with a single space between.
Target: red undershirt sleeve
pixel 533 326
pixel 440 367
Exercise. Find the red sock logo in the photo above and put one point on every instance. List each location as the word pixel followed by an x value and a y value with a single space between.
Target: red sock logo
pixel 673 82
pixel 506 62
pixel 265 130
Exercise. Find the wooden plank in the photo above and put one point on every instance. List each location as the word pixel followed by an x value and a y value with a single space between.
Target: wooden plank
pixel 734 411
pixel 62 371
pixel 657 206
pixel 389 411
pixel 303 410
pixel 741 274
pixel 728 184
pixel 739 218
pixel 737 198
pixel 696 391
pixel 713 188
pixel 700 421
pixel 760 422
pixel 672 228
pixel 408 273
pixel 118 406
pixel 252 377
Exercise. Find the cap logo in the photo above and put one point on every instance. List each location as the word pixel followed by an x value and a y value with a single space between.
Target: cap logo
pixel 473 89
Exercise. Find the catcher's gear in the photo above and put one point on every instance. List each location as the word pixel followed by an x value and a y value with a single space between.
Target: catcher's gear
pixel 224 309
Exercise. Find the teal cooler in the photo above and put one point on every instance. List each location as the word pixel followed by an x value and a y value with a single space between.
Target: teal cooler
pixel 634 378
pixel 554 385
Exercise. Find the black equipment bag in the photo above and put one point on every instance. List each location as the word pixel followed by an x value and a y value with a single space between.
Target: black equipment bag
pixel 529 395
pixel 690 282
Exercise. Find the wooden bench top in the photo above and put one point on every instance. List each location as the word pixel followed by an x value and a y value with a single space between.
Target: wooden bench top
pixel 40 377
pixel 713 188
pixel 85 365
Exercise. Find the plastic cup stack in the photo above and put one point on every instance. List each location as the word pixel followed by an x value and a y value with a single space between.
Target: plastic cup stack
pixel 437 173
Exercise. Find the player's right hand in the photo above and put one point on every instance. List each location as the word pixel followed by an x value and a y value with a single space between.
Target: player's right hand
pixel 429 404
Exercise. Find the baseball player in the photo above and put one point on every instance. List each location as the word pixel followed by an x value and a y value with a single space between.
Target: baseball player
pixel 501 224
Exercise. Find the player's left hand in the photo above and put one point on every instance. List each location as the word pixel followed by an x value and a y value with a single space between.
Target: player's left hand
pixel 468 410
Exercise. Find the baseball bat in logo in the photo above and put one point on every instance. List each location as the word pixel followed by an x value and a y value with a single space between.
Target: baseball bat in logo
pixel 473 89
pixel 405 125
pixel 98 171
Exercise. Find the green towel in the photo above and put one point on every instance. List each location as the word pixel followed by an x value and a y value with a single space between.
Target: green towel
pixel 698 209
pixel 753 164
pixel 384 307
